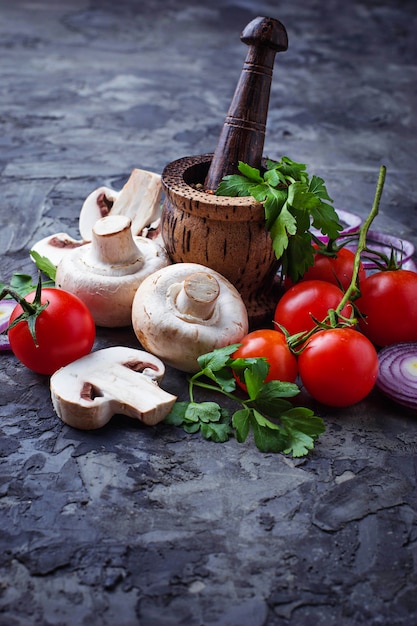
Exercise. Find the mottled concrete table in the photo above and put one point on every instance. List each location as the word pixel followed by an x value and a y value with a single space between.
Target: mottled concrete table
pixel 133 525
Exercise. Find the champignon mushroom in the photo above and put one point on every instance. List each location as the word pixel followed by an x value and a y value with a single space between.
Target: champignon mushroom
pixel 56 246
pixel 106 273
pixel 118 380
pixel 139 199
pixel 97 204
pixel 185 310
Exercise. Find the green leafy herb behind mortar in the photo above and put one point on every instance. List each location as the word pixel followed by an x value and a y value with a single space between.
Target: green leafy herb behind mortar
pixel 294 202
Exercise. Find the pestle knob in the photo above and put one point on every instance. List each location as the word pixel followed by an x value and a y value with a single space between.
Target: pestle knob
pixel 243 134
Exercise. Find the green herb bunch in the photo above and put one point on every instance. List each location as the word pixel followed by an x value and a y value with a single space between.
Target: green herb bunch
pixel 276 425
pixel 294 203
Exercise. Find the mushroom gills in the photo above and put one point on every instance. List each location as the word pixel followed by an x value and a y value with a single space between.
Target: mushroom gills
pixel 118 380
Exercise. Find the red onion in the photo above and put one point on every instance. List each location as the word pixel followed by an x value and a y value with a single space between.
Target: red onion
pixel 397 376
pixel 6 308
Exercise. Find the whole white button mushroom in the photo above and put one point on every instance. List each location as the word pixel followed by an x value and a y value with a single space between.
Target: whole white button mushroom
pixel 185 310
pixel 106 273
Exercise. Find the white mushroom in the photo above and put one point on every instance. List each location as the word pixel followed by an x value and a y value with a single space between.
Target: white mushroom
pixel 56 246
pixel 185 310
pixel 106 273
pixel 88 392
pixel 139 199
pixel 97 204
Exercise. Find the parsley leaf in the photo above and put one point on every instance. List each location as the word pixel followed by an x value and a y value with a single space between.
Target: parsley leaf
pixel 293 202
pixel 207 417
pixel 44 264
pixel 21 283
pixel 267 412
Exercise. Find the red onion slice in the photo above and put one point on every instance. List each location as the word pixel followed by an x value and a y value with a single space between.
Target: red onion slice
pixel 6 308
pixel 397 376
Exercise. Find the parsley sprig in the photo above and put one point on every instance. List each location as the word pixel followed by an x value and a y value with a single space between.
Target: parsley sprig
pixel 276 425
pixel 294 202
pixel 23 284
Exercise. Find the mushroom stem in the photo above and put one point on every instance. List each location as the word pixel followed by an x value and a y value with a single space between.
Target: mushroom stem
pixel 113 243
pixel 198 295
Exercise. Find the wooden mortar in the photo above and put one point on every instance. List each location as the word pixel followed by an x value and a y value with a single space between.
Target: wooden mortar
pixel 223 233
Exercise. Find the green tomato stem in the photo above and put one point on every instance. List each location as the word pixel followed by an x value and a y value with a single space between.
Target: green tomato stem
pixel 334 315
pixel 352 289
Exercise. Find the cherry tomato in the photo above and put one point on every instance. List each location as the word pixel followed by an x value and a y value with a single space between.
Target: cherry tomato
pixel 271 345
pixel 389 302
pixel 65 331
pixel 305 300
pixel 338 367
pixel 336 269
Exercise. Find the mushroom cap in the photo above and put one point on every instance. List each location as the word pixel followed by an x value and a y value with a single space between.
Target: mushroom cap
pixel 178 337
pixel 117 380
pixel 108 290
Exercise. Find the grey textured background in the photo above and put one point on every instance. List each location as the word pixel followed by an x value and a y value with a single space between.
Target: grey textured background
pixel 131 525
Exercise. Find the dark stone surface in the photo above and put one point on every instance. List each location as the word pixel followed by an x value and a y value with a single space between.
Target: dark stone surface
pixel 132 525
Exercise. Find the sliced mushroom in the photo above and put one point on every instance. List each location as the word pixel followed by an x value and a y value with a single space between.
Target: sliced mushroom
pixel 185 310
pixel 118 380
pixel 97 204
pixel 139 199
pixel 106 273
pixel 56 246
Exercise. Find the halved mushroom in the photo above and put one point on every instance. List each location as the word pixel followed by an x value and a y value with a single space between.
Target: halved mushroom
pixel 185 310
pixel 54 247
pixel 97 204
pixel 118 380
pixel 106 273
pixel 139 200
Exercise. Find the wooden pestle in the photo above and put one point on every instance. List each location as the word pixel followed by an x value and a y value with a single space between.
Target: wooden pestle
pixel 243 134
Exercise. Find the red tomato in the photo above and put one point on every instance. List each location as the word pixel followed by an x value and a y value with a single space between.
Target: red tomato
pixel 305 300
pixel 337 269
pixel 65 331
pixel 389 302
pixel 271 345
pixel 338 367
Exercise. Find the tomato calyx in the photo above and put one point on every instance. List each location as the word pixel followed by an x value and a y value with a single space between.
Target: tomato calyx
pixel 330 248
pixel 31 310
pixel 383 262
pixel 298 341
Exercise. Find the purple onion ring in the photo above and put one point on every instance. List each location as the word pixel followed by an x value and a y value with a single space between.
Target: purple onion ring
pixel 397 377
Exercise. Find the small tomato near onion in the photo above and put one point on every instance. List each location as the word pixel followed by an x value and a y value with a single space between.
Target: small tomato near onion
pixel 338 367
pixel 307 300
pixel 336 269
pixel 271 345
pixel 65 331
pixel 388 304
